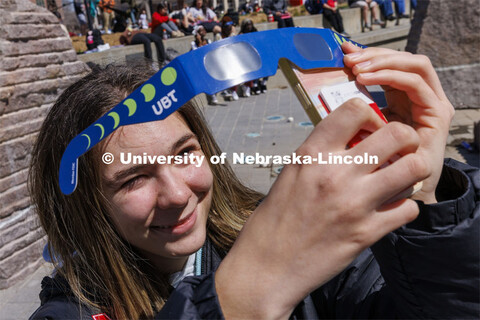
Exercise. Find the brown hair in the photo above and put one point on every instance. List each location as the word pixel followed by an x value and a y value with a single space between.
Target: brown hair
pixel 102 269
pixel 227 26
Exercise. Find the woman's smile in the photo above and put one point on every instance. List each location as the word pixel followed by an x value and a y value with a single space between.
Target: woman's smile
pixel 180 227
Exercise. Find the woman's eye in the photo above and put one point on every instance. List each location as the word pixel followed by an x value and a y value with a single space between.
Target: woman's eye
pixel 187 150
pixel 132 183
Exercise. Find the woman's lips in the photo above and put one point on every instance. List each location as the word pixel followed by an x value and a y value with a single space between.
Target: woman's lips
pixel 181 226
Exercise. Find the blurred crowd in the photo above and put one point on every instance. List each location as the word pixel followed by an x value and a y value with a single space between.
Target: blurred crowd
pixel 139 22
pixel 117 15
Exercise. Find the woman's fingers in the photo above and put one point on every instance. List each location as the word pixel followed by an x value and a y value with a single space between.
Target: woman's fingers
pixel 349 47
pixel 398 176
pixel 393 140
pixel 412 74
pixel 336 130
pixel 392 216
pixel 412 84
pixel 373 59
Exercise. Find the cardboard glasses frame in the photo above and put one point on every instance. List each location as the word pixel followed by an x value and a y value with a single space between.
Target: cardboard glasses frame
pixel 209 69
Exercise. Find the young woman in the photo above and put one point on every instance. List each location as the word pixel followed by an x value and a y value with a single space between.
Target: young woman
pixel 97 257
pixel 200 40
pixel 131 233
pixel 161 21
pixel 205 16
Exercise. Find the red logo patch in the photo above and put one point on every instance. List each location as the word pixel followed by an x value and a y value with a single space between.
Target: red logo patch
pixel 101 316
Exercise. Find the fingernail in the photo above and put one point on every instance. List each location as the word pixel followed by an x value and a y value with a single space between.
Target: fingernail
pixel 363 64
pixel 367 74
pixel 354 55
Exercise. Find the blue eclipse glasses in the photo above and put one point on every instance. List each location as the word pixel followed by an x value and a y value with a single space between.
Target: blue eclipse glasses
pixel 209 69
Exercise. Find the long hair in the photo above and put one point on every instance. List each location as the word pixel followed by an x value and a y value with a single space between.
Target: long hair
pixel 204 6
pixel 102 269
pixel 160 6
pixel 245 24
pixel 227 26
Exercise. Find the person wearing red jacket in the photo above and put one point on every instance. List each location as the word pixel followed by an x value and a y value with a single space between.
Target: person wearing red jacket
pixel 161 21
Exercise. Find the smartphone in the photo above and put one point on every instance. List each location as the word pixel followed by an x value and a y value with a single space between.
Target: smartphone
pixel 321 91
pixel 307 85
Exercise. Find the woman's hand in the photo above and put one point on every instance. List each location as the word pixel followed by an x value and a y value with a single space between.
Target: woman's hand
pixel 318 218
pixel 414 97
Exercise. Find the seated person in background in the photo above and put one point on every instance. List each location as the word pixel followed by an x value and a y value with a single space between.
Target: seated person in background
pixel 227 27
pixel 246 8
pixel 367 5
pixel 229 30
pixel 205 16
pixel 161 21
pixel 314 6
pixel 93 39
pixel 256 86
pixel 400 8
pixel 256 6
pixel 330 12
pixel 247 26
pixel 183 18
pixel 201 40
pixel 141 37
pixel 278 8
pixel 386 7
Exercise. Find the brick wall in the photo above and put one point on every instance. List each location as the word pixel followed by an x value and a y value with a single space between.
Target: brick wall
pixel 447 32
pixel 37 62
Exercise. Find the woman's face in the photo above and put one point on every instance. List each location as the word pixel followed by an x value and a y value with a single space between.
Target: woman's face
pixel 161 209
pixel 199 3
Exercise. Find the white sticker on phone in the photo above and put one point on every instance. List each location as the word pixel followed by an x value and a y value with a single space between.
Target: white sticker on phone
pixel 334 96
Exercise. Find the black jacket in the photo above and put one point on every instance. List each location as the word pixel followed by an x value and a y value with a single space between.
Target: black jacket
pixel 426 269
pixel 58 302
pixel 272 6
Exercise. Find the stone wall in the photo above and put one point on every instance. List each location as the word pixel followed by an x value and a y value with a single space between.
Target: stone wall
pixel 448 33
pixel 37 62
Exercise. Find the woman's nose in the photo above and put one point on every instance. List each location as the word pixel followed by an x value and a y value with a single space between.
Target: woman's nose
pixel 173 191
